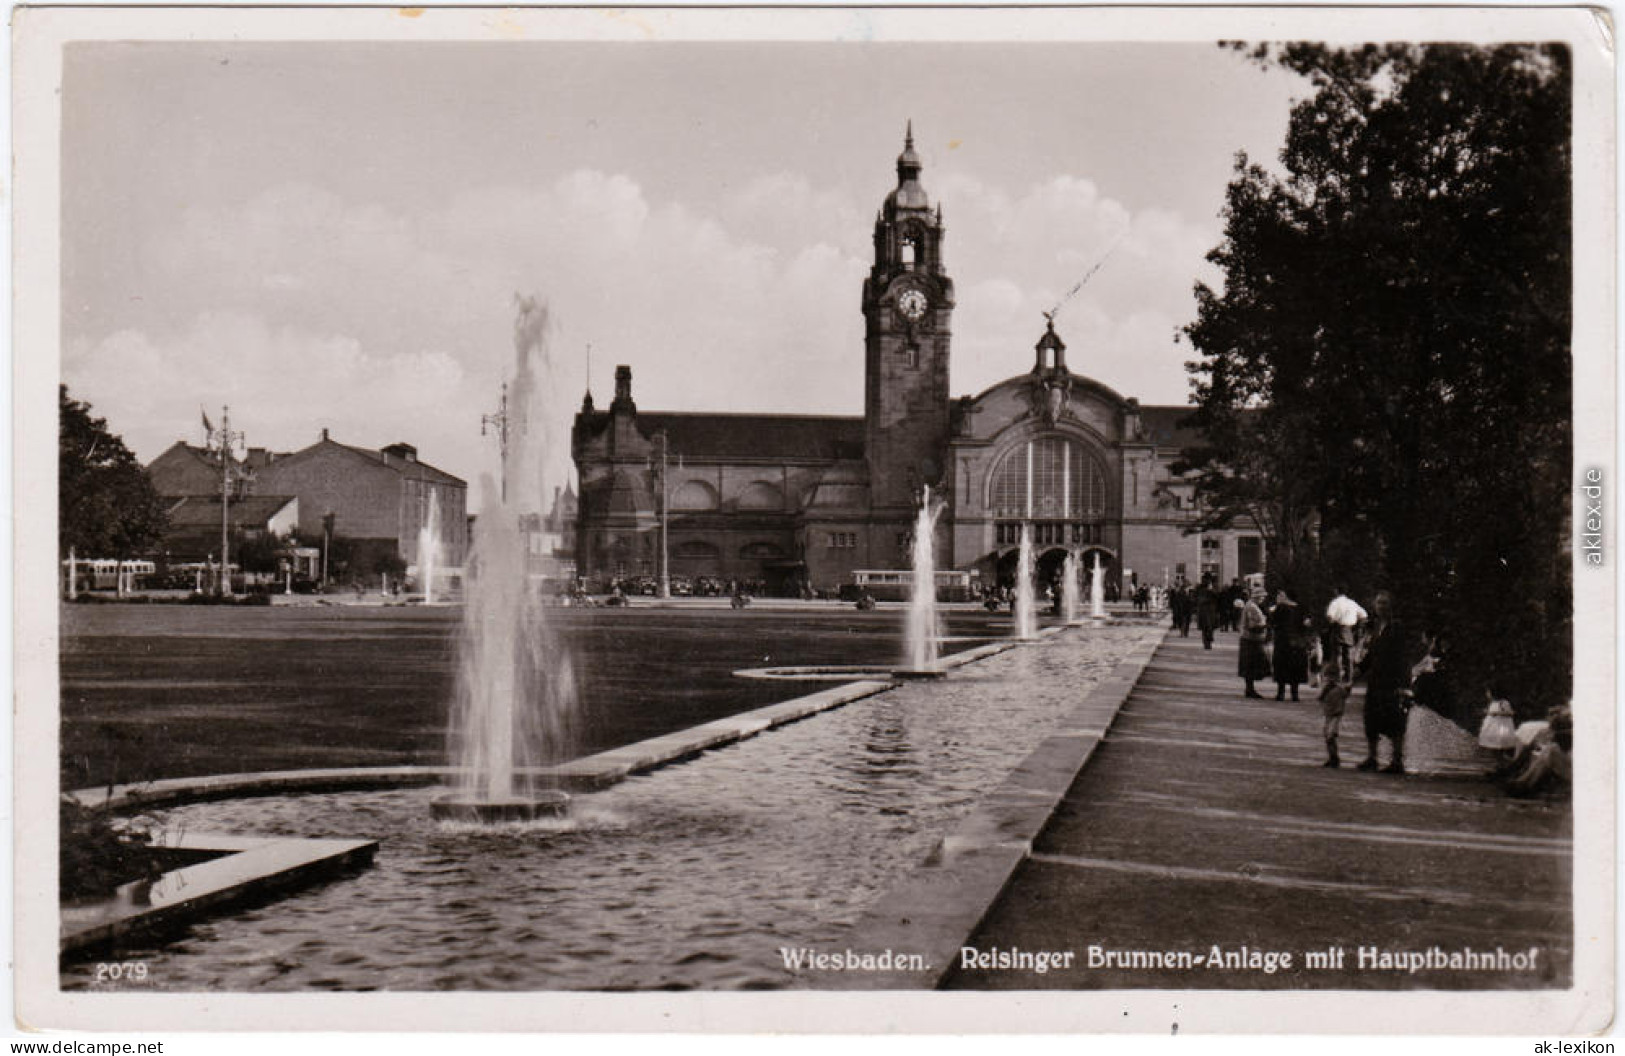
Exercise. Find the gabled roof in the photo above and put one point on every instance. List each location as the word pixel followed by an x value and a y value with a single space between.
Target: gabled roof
pixel 191 511
pixel 410 469
pixel 254 459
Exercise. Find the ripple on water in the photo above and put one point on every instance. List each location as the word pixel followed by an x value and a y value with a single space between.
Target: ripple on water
pixel 688 877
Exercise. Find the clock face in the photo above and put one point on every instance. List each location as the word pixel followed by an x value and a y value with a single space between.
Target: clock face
pixel 912 304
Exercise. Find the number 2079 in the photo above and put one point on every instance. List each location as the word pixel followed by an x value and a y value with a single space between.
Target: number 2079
pixel 121 971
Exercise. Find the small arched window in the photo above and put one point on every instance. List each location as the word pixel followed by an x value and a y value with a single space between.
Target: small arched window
pixel 760 495
pixel 694 495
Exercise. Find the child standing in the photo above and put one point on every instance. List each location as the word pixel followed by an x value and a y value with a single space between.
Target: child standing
pixel 1334 697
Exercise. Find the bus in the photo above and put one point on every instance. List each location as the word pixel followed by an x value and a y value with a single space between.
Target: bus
pixel 101 573
pixel 897 584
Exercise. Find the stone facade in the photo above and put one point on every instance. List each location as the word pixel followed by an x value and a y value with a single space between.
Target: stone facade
pixel 788 499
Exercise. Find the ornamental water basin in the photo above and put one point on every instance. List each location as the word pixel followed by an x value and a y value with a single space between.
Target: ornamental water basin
pixel 692 876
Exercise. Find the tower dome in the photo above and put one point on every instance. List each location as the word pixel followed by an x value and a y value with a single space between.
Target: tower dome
pixel 909 195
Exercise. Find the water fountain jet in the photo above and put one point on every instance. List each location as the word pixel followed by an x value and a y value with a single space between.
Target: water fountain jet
pixel 1069 587
pixel 1097 592
pixel 922 631
pixel 1026 617
pixel 429 551
pixel 516 696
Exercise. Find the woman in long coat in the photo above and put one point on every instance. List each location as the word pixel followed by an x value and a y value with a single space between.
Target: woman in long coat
pixel 1290 630
pixel 1252 660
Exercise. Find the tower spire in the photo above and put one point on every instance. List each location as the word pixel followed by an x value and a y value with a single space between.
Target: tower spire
pixel 908 162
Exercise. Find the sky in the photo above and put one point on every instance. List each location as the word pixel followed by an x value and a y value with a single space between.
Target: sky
pixel 336 235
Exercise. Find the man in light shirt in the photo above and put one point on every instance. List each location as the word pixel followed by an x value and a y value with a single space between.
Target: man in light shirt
pixel 1344 615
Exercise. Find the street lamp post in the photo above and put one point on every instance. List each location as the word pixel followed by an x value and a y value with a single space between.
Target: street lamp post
pixel 500 421
pixel 665 516
pixel 327 541
pixel 221 440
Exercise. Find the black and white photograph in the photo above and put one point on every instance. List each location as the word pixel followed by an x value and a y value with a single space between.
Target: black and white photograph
pixel 911 519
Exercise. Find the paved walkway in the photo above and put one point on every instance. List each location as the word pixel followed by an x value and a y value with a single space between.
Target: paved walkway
pixel 1206 820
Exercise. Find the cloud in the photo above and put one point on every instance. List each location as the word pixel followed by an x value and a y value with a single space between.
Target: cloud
pixel 151 388
pixel 1017 255
pixel 301 308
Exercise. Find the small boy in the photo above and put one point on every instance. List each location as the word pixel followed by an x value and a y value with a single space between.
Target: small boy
pixel 1334 696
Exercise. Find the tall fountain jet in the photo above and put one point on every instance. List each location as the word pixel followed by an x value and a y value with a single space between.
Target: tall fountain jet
pixel 429 550
pixel 1097 591
pixel 1026 617
pixel 516 698
pixel 1069 587
pixel 922 632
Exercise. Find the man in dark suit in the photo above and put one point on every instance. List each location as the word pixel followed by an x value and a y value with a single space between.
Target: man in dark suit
pixel 1387 671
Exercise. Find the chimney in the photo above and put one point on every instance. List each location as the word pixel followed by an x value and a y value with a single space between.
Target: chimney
pixel 324 432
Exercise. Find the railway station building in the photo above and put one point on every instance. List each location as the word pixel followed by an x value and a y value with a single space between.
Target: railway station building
pixel 792 500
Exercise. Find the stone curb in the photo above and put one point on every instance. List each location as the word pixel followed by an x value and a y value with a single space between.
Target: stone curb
pixel 175 791
pixel 588 774
pixel 243 869
pixel 607 768
pixel 936 910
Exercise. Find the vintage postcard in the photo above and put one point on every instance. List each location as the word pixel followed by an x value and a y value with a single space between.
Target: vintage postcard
pixel 897 520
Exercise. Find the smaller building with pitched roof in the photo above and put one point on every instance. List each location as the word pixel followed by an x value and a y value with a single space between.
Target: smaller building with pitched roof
pixel 381 500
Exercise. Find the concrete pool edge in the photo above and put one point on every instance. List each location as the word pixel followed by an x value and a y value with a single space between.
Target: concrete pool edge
pixel 243 869
pixel 936 910
pixel 587 774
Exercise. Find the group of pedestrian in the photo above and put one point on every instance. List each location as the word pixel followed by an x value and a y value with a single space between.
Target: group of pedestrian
pixel 1288 630
pixel 1400 669
pixel 1278 640
pixel 1210 607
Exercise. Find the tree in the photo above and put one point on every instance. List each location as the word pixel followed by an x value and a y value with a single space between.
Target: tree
pixel 1389 359
pixel 107 505
pixel 256 551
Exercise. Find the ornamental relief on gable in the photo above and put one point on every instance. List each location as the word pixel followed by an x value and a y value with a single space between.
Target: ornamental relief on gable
pixel 1051 396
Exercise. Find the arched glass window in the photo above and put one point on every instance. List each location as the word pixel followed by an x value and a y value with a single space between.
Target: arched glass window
pixel 694 495
pixel 1050 477
pixel 760 495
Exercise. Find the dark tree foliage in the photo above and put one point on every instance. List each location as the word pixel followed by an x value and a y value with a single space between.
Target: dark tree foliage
pixel 363 560
pixel 1390 361
pixel 256 551
pixel 107 505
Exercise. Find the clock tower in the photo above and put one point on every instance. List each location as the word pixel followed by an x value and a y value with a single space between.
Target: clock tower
pixel 908 303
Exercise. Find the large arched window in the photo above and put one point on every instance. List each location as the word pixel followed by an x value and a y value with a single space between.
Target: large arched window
pixel 1047 478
